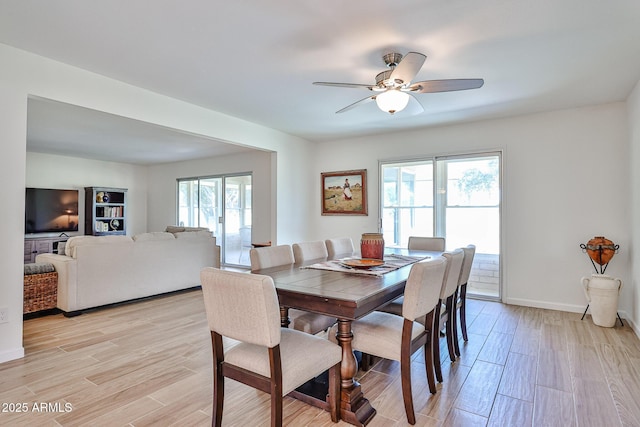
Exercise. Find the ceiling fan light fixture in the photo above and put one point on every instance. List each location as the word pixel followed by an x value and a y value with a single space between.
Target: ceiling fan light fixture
pixel 391 101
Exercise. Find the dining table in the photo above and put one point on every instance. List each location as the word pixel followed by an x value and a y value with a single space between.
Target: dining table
pixel 346 293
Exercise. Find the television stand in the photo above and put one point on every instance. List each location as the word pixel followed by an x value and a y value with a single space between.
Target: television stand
pixel 41 245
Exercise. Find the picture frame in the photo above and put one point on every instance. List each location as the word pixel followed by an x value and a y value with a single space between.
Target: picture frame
pixel 344 192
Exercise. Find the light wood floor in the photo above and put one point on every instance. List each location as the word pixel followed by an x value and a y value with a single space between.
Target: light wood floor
pixel 149 363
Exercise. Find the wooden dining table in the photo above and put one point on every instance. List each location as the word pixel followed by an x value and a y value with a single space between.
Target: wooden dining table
pixel 346 296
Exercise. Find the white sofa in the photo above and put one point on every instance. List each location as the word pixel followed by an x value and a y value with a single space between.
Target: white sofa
pixel 101 270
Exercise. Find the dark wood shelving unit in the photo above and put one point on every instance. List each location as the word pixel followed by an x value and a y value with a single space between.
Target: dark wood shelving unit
pixel 105 211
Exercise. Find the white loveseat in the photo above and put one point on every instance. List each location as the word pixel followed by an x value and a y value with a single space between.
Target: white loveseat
pixel 101 270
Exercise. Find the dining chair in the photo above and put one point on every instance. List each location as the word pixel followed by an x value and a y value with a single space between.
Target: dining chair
pixel 447 300
pixel 339 247
pixel 461 301
pixel 303 251
pixel 270 256
pixel 426 243
pixel 398 337
pixel 276 256
pixel 275 360
pixel 419 244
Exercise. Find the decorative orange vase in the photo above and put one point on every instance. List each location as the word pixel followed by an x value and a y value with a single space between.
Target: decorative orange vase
pixel 372 246
pixel 601 250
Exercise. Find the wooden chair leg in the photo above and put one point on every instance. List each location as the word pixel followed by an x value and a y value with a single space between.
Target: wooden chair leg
pixel 463 311
pixel 454 317
pixel 333 397
pixel 275 363
pixel 218 380
pixel 366 361
pixel 435 342
pixel 218 399
pixel 428 354
pixel 276 410
pixel 405 374
pixel 450 304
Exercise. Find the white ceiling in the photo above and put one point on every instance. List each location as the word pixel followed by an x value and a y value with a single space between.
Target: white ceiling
pixel 63 129
pixel 256 60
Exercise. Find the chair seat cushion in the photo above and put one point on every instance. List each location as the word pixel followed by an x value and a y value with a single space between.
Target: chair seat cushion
pixel 310 323
pixel 394 307
pixel 379 334
pixel 303 356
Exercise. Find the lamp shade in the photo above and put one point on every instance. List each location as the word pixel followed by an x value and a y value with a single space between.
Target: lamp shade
pixel 392 100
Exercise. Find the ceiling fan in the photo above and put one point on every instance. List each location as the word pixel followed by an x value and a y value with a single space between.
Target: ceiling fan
pixel 393 87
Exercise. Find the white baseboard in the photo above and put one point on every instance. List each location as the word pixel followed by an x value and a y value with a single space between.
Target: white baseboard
pixel 546 304
pixel 572 308
pixel 8 355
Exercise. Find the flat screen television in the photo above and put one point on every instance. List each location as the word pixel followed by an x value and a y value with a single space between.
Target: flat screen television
pixel 49 210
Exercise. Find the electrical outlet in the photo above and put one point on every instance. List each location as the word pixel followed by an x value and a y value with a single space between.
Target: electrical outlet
pixel 4 314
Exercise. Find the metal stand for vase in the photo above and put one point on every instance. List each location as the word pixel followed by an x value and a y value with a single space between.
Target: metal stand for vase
pixel 603 268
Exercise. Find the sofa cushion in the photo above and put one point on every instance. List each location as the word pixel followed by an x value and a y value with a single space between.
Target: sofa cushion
pixel 177 229
pixel 154 235
pixel 193 235
pixel 75 241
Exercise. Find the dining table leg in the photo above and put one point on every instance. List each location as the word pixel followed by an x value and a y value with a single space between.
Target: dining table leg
pixel 354 407
pixel 284 317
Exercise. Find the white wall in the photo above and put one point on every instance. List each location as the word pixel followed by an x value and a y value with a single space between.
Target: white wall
pixel 24 74
pixel 162 188
pixel 566 179
pixel 49 171
pixel 633 285
pixel 13 137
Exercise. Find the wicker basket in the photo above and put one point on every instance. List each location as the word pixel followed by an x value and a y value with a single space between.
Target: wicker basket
pixel 40 292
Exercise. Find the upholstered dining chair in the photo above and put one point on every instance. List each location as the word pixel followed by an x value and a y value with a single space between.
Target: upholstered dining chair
pixel 461 304
pixel 303 251
pixel 447 299
pixel 339 247
pixel 244 307
pixel 398 337
pixel 419 243
pixel 270 256
pixel 275 256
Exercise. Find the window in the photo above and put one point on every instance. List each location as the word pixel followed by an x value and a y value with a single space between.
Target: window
pixel 456 197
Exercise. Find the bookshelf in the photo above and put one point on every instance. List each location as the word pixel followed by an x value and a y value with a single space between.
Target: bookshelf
pixel 105 211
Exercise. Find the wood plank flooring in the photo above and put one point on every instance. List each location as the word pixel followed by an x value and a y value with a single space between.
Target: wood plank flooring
pixel 149 364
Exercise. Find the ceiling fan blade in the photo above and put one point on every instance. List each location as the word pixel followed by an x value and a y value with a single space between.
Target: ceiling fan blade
pixel 407 69
pixel 357 103
pixel 450 85
pixel 350 85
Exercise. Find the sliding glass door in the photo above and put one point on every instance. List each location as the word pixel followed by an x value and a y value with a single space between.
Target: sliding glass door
pixel 223 205
pixel 456 197
pixel 237 219
pixel 407 201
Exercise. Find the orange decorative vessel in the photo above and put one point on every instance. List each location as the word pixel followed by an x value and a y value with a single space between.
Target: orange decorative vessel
pixel 372 246
pixel 601 250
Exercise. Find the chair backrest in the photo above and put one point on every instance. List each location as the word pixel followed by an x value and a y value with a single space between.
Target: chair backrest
pixel 426 243
pixel 469 253
pixel 422 291
pixel 309 250
pixel 339 246
pixel 452 274
pixel 241 306
pixel 270 256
